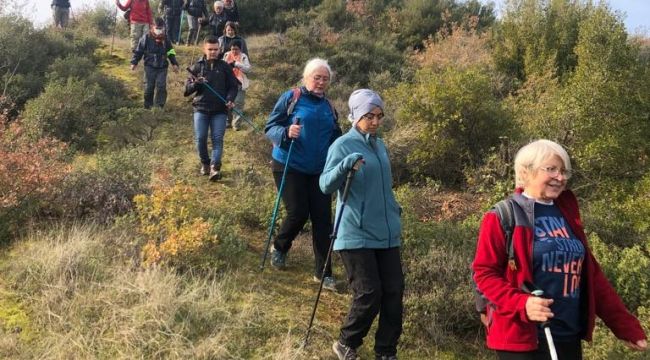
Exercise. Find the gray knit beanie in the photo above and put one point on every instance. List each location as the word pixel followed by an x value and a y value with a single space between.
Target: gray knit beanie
pixel 361 102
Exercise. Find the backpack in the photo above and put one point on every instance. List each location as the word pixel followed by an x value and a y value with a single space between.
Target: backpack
pixel 296 93
pixel 506 212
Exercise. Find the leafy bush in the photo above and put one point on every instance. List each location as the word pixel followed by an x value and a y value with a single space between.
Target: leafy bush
pixel 105 190
pixel 72 111
pixel 99 20
pixel 176 233
pixel 446 122
pixel 30 172
pixel 27 52
pixel 132 126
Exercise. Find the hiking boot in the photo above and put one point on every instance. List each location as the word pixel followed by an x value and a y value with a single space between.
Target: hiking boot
pixel 205 169
pixel 278 259
pixel 329 283
pixel 385 357
pixel 344 352
pixel 215 173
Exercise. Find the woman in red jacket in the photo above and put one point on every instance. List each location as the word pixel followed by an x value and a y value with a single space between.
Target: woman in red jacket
pixel 551 252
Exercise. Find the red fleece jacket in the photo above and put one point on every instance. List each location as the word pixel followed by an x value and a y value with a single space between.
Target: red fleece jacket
pixel 508 326
pixel 140 10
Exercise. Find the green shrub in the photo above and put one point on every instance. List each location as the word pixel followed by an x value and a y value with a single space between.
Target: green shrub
pixel 105 190
pixel 132 126
pixel 446 122
pixel 626 269
pixel 99 20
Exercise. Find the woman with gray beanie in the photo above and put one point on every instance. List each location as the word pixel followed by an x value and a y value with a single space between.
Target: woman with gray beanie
pixel 369 234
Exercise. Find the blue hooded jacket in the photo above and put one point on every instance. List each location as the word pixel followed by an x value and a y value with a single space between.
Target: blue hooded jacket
pixel 319 130
pixel 371 218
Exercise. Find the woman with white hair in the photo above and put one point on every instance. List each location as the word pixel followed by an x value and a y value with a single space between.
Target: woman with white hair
pixel 218 19
pixel 312 135
pixel 549 253
pixel 368 237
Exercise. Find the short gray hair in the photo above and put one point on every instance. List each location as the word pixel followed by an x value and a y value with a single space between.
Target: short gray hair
pixel 218 3
pixel 313 65
pixel 534 154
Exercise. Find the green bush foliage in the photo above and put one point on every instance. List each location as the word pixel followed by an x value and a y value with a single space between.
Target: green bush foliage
pixel 437 254
pixel 132 126
pixel 451 119
pixel 27 52
pixel 106 189
pixel 99 20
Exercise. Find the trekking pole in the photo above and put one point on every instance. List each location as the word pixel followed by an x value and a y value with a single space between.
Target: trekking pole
pixel 277 201
pixel 533 290
pixel 113 35
pixel 337 222
pixel 180 27
pixel 225 102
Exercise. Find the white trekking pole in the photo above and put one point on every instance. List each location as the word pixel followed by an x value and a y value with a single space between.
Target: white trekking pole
pixel 533 290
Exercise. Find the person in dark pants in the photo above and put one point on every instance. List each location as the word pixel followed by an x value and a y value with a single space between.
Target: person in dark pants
pixel 210 111
pixel 172 10
pixel 61 13
pixel 157 50
pixel 312 137
pixel 369 233
pixel 196 14
pixel 550 251
pixel 217 19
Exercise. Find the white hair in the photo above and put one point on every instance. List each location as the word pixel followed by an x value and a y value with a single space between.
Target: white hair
pixel 218 3
pixel 315 64
pixel 534 154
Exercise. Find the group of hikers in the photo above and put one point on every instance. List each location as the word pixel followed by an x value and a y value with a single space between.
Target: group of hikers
pixel 533 270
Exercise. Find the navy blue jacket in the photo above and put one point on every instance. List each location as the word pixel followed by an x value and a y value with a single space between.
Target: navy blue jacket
pixel 196 8
pixel 61 3
pixel 171 7
pixel 319 130
pixel 155 53
pixel 220 77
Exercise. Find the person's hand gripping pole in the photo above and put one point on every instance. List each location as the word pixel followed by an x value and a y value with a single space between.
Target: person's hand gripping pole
pixel 295 125
pixel 337 222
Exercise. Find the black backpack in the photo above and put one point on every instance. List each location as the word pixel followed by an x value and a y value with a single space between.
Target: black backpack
pixel 505 210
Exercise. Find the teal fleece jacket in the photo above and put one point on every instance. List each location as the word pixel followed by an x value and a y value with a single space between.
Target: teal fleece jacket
pixel 371 218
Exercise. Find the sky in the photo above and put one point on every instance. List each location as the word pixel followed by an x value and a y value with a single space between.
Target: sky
pixel 637 12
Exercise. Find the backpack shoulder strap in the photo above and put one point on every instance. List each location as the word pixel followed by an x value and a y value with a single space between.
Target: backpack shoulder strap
pixel 334 112
pixel 506 213
pixel 296 92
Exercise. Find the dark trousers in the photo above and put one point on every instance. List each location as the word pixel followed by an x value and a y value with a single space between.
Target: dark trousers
pixel 172 28
pixel 565 351
pixel 303 200
pixel 377 282
pixel 155 78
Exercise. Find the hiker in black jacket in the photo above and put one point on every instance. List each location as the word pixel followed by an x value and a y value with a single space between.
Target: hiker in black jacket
pixel 217 19
pixel 61 13
pixel 215 87
pixel 156 49
pixel 172 10
pixel 197 13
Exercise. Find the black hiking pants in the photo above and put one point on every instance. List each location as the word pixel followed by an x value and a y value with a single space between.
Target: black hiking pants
pixel 571 350
pixel 303 200
pixel 377 282
pixel 155 79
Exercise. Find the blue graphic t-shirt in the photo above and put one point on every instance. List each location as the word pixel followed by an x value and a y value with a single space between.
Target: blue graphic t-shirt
pixel 558 256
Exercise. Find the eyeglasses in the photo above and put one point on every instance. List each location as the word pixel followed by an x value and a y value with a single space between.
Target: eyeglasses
pixel 555 171
pixel 324 79
pixel 373 116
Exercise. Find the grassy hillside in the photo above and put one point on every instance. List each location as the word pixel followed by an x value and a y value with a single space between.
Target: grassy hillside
pixel 114 247
pixel 76 293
